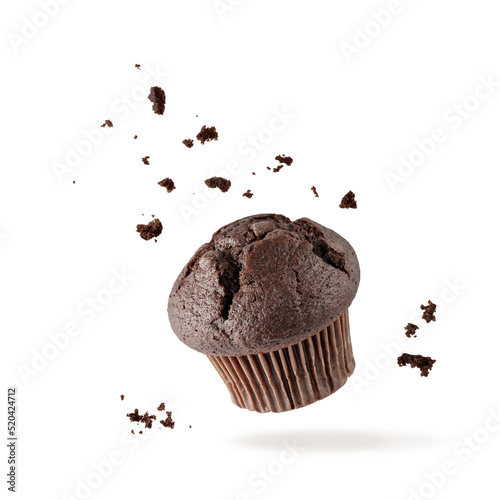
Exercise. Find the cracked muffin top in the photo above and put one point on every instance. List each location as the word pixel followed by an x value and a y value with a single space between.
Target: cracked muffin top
pixel 262 283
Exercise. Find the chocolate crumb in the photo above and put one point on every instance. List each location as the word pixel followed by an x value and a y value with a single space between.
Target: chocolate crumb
pixel 348 201
pixel 268 168
pixel 278 168
pixel 138 66
pixel 417 361
pixel 145 160
pixel 135 417
pixel 151 230
pixel 189 143
pixel 135 137
pixel 140 432
pixel 207 134
pixel 190 426
pixel 314 190
pixel 284 159
pixel 122 397
pixel 411 330
pixel 218 182
pixel 107 123
pixel 167 183
pixel 157 97
pixel 147 420
pixel 132 431
pixel 168 422
pixel 248 194
pixel 74 182
pixel 429 312
pixel 253 173
pixel 161 407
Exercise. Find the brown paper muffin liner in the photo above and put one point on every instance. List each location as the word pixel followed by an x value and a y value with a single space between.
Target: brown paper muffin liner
pixel 294 376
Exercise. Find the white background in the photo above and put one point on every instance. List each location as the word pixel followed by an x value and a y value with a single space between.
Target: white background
pixel 432 237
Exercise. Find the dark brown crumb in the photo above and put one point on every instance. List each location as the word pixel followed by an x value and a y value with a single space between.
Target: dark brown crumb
pixel 151 230
pixel 248 194
pixel 190 427
pixel 284 159
pixel 161 407
pixel 145 160
pixel 132 431
pixel 268 168
pixel 147 420
pixel 189 143
pixel 107 123
pixel 74 182
pixel 278 168
pixel 138 66
pixel 348 201
pixel 314 190
pixel 167 183
pixel 417 361
pixel 122 397
pixel 168 422
pixel 135 417
pixel 140 432
pixel 135 137
pixel 218 182
pixel 207 134
pixel 429 312
pixel 411 330
pixel 157 97
pixel 253 173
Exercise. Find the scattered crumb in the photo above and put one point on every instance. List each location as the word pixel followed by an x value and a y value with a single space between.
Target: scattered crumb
pixel 248 194
pixel 190 427
pixel 122 397
pixel 167 183
pixel 168 422
pixel 268 168
pixel 157 97
pixel 147 420
pixel 348 201
pixel 411 330
pixel 135 137
pixel 161 407
pixel 151 230
pixel 218 182
pixel 278 168
pixel 314 190
pixel 429 312
pixel 417 361
pixel 145 160
pixel 135 417
pixel 140 432
pixel 74 182
pixel 132 431
pixel 284 159
pixel 207 134
pixel 138 66
pixel 107 123
pixel 189 143
pixel 253 173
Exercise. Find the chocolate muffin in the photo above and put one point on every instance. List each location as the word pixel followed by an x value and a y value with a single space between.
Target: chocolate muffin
pixel 267 301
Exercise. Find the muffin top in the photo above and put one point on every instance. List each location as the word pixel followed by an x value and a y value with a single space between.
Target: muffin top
pixel 261 284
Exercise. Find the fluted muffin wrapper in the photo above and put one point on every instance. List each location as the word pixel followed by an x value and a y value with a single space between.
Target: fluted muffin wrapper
pixel 292 377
